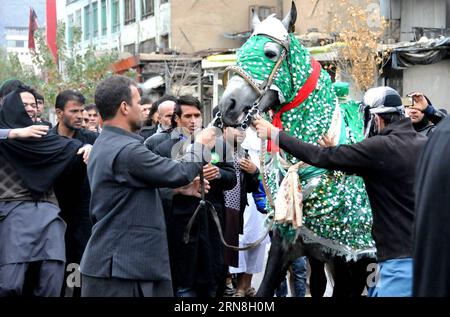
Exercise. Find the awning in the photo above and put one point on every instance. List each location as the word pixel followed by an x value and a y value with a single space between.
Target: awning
pixel 421 53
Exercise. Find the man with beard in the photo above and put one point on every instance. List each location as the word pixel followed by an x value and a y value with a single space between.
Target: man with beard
pixel 74 194
pixel 127 252
pixel 197 266
pixel 69 112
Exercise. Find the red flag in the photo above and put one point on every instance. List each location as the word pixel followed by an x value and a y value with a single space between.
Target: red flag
pixel 51 28
pixel 32 27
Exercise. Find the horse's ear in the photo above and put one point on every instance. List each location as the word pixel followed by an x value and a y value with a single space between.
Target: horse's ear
pixel 291 17
pixel 255 19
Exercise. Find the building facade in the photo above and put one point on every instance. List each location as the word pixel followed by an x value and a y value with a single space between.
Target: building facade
pixel 409 21
pixel 17 43
pixel 182 26
pixel 202 27
pixel 14 24
pixel 133 26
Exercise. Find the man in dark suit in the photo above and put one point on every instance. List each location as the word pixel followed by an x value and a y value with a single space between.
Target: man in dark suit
pixel 73 191
pixel 127 254
pixel 197 266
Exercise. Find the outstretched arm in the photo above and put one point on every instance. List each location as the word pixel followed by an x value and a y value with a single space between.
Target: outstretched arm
pixel 357 158
pixel 33 131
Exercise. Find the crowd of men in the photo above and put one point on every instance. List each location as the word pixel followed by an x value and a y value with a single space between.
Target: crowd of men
pixel 115 187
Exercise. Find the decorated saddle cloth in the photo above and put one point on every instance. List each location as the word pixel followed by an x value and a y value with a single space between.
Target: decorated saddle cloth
pixel 331 208
pixel 334 211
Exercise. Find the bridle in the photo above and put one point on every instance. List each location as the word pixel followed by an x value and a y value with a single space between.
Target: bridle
pixel 260 88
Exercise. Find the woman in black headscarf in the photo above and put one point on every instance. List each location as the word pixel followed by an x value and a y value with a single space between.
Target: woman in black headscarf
pixel 38 161
pixel 31 231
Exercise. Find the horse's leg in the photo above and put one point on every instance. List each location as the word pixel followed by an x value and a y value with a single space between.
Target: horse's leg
pixel 317 279
pixel 360 272
pixel 350 277
pixel 342 277
pixel 280 257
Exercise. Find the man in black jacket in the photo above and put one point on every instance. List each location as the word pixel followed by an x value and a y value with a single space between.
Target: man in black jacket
pixel 73 193
pixel 126 254
pixel 386 160
pixel 198 266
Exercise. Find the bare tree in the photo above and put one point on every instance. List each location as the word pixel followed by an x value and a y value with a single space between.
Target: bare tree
pixel 361 29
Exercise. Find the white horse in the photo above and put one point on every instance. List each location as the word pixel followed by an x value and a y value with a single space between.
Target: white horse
pixel 275 72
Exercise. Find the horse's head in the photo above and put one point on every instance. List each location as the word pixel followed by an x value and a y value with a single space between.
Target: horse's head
pixel 272 60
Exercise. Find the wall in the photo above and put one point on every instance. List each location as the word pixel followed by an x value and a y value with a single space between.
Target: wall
pixel 432 80
pixel 200 25
pixel 320 14
pixel 448 14
pixel 430 13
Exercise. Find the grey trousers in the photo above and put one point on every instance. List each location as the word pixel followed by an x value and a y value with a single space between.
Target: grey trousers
pixel 40 278
pixel 118 287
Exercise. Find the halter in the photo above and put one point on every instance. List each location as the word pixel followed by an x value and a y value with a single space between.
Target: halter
pixel 260 88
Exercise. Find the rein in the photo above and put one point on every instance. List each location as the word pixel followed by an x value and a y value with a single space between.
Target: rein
pixel 261 90
pixel 210 207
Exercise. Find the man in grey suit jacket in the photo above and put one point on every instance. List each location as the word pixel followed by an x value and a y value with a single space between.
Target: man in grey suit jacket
pixel 127 254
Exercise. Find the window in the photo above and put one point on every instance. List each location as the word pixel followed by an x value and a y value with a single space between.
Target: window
pixel 115 18
pixel 104 24
pixel 130 48
pixel 20 43
pixel 147 46
pixel 95 19
pixel 70 25
pixel 146 8
pixel 10 43
pixel 87 22
pixel 130 11
pixel 78 18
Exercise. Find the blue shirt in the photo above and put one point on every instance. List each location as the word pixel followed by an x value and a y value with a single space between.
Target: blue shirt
pixel 4 133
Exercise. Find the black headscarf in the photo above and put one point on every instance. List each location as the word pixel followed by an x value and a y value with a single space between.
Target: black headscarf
pixel 38 161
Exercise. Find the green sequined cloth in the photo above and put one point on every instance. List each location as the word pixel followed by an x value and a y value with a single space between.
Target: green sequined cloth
pixel 336 209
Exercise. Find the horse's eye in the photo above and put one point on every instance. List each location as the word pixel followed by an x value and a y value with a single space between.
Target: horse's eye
pixel 270 54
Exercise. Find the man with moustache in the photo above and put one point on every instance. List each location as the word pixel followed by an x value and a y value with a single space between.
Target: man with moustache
pixel 127 253
pixel 198 266
pixel 74 195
